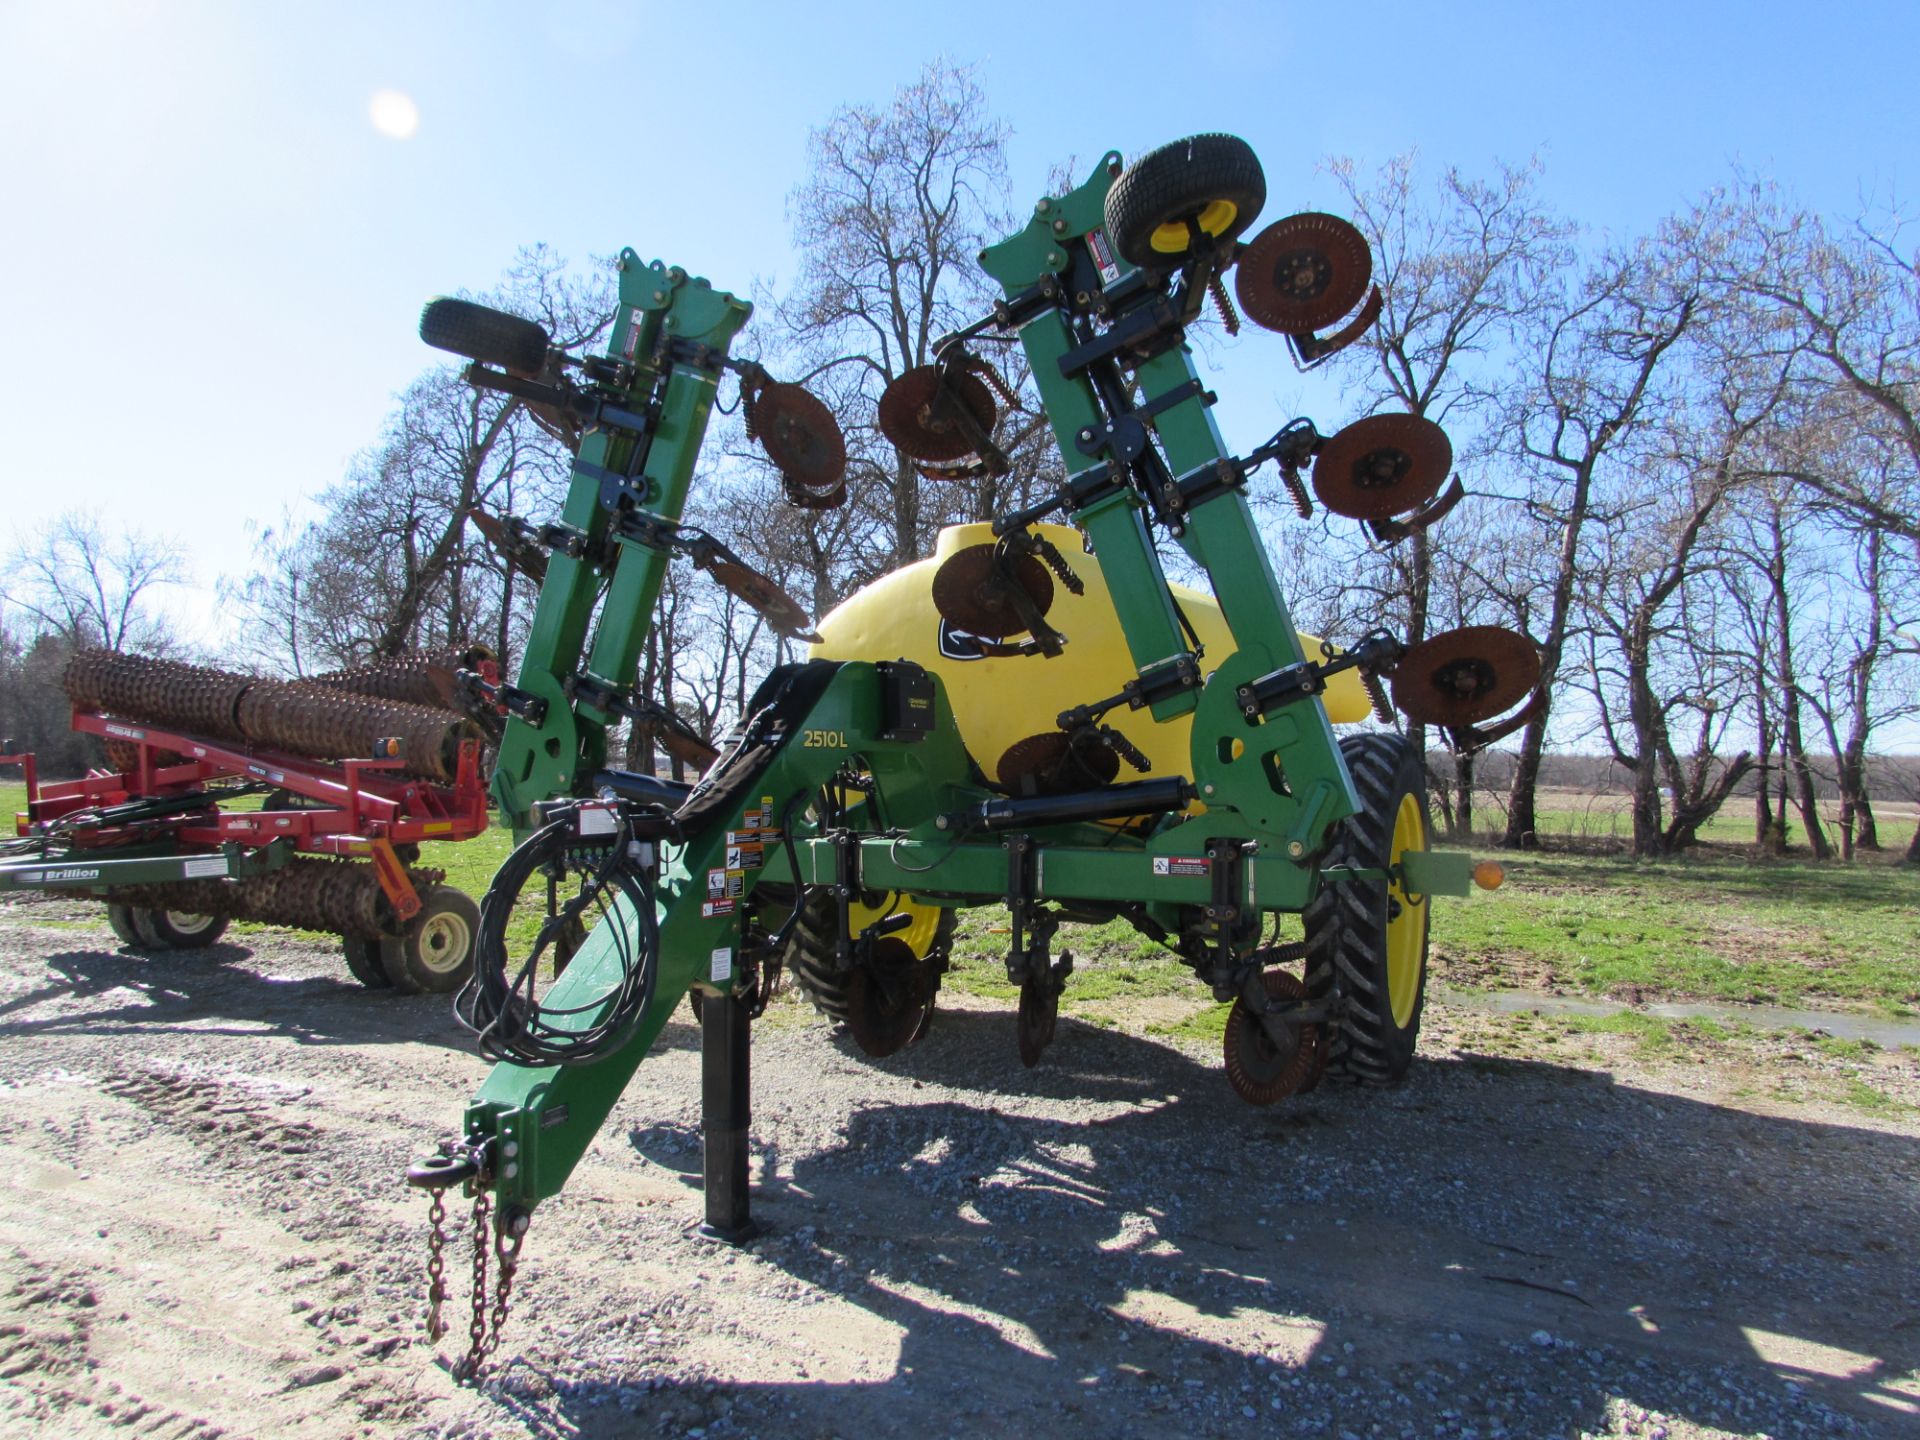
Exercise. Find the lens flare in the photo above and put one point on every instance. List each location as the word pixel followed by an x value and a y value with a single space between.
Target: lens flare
pixel 393 114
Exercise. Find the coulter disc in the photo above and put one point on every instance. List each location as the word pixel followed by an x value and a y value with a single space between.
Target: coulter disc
pixel 888 1002
pixel 1303 273
pixel 801 437
pixel 1260 1070
pixel 781 610
pixel 972 593
pixel 1382 466
pixel 1461 677
pixel 1052 764
pixel 921 412
pixel 1039 1011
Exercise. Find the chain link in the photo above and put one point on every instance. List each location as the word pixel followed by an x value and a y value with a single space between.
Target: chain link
pixel 436 1265
pixel 468 1367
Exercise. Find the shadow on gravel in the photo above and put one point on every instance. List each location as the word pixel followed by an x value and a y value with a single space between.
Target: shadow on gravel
pixel 1496 1245
pixel 199 989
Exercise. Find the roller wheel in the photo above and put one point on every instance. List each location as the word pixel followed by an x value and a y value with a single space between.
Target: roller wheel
pixel 182 930
pixel 363 962
pixel 1214 181
pixel 810 960
pixel 434 954
pixel 1366 942
pixel 131 927
pixel 491 336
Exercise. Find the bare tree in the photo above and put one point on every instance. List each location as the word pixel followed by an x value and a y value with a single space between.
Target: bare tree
pixel 393 563
pixel 897 202
pixel 1850 303
pixel 1460 267
pixel 1600 358
pixel 92 587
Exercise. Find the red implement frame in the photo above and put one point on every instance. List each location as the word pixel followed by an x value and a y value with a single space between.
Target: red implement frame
pixel 361 808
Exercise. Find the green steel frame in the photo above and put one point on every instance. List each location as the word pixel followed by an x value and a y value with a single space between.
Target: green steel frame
pixel 1272 785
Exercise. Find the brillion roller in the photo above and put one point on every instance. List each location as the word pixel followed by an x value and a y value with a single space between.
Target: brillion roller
pixel 330 717
pixel 350 772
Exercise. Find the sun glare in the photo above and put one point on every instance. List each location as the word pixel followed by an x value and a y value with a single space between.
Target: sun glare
pixel 393 114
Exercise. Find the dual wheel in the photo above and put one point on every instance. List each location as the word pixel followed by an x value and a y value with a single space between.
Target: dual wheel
pixel 433 955
pixel 142 927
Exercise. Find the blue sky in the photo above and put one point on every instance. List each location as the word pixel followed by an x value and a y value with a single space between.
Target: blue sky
pixel 212 261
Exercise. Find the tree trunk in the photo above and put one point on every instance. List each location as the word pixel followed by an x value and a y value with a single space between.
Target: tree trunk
pixel 1912 857
pixel 1526 779
pixel 1792 746
pixel 1463 783
pixel 1649 827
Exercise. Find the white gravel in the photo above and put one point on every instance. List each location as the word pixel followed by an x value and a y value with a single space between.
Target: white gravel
pixel 205 1235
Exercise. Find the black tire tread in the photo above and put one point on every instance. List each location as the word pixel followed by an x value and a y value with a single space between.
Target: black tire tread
pixel 1346 924
pixel 395 955
pixel 485 334
pixel 363 962
pixel 1176 178
pixel 173 938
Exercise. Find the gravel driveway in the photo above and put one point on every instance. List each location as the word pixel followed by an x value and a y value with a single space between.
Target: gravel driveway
pixel 204 1234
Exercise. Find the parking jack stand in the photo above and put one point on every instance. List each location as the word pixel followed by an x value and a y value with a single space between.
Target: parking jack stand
pixel 725 1107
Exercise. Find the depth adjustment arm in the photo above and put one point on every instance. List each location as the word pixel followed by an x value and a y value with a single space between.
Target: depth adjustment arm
pixel 1372 656
pixel 1159 681
pixel 1227 867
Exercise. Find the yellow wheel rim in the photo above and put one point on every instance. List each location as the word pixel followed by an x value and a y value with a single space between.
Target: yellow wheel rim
pixel 919 936
pixel 1171 238
pixel 1407 931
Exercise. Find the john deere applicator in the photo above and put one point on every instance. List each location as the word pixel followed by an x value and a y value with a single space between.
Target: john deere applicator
pixel 1032 718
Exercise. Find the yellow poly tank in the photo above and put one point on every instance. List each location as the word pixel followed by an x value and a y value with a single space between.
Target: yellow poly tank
pixel 999 700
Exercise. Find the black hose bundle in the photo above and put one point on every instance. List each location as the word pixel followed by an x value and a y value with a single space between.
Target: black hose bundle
pixel 504 1010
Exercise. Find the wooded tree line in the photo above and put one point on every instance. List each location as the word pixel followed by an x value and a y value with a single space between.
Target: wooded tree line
pixel 1692 457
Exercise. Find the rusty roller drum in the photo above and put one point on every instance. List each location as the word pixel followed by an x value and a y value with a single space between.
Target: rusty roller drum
pixel 161 692
pixel 341 897
pixel 406 679
pixel 328 724
pixel 295 716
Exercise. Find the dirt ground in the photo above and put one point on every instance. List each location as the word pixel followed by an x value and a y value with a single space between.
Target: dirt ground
pixel 204 1233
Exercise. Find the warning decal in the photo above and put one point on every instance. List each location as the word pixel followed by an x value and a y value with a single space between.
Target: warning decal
pixel 1190 866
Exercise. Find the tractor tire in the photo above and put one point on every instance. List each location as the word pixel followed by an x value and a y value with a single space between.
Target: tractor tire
pixel 434 954
pixel 363 961
pixel 809 957
pixel 487 335
pixel 131 927
pixel 179 930
pixel 1366 944
pixel 1215 180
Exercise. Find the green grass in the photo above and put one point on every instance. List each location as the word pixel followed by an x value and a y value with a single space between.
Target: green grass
pixel 1112 962
pixel 1714 926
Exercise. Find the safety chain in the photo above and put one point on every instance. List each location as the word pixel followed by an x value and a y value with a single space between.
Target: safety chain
pixel 468 1367
pixel 455 1165
pixel 436 1265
